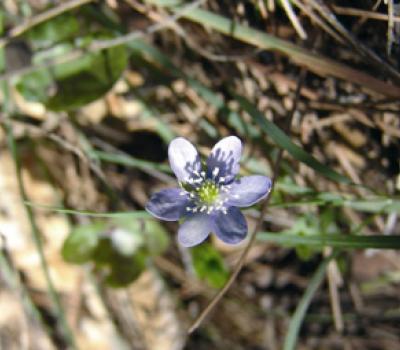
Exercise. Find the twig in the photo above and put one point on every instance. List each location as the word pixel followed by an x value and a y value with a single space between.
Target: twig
pixel 333 283
pixel 348 11
pixel 31 22
pixel 390 29
pixel 242 259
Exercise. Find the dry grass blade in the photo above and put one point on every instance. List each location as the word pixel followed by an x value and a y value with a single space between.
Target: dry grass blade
pixel 362 49
pixel 293 18
pixel 348 11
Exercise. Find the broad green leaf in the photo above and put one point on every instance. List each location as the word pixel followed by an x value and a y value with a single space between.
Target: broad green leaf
pixel 209 265
pixel 125 270
pixel 89 84
pixel 118 265
pixel 81 243
pixel 57 29
pixel 70 85
pixel 147 234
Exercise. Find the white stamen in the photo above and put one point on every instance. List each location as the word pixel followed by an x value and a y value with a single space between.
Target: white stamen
pixel 203 174
pixel 188 209
pixel 203 208
pixel 215 172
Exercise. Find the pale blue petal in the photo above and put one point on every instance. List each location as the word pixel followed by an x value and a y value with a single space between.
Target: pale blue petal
pixel 248 190
pixel 194 230
pixel 168 204
pixel 224 159
pixel 231 227
pixel 183 158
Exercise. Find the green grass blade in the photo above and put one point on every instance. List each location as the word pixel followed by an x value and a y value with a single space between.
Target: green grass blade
pixel 130 161
pixel 374 205
pixel 298 316
pixel 139 214
pixel 283 141
pixel 334 240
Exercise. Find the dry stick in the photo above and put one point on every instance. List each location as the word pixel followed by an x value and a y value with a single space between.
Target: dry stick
pixel 103 44
pixel 264 208
pixel 40 18
pixel 348 11
pixel 390 35
pixel 333 282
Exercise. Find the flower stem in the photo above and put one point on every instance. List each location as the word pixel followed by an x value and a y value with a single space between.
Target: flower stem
pixel 242 259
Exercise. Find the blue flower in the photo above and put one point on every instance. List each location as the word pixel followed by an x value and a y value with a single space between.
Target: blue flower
pixel 209 195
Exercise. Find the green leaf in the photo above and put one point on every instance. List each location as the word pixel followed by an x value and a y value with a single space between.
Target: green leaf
pixel 102 71
pixel 209 265
pixel 71 85
pixel 119 266
pixel 57 29
pixel 81 243
pixel 156 237
pixel 125 270
pixel 148 234
pixel 333 240
pixel 305 226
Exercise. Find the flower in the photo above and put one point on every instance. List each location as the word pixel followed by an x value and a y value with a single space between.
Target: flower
pixel 209 195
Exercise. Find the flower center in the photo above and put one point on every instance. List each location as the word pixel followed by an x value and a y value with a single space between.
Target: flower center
pixel 208 192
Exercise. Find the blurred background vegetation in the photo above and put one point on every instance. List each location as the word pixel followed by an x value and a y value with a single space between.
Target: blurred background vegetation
pixel 91 94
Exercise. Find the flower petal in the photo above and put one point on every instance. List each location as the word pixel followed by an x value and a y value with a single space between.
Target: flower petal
pixel 248 190
pixel 231 227
pixel 225 157
pixel 183 158
pixel 168 204
pixel 194 230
